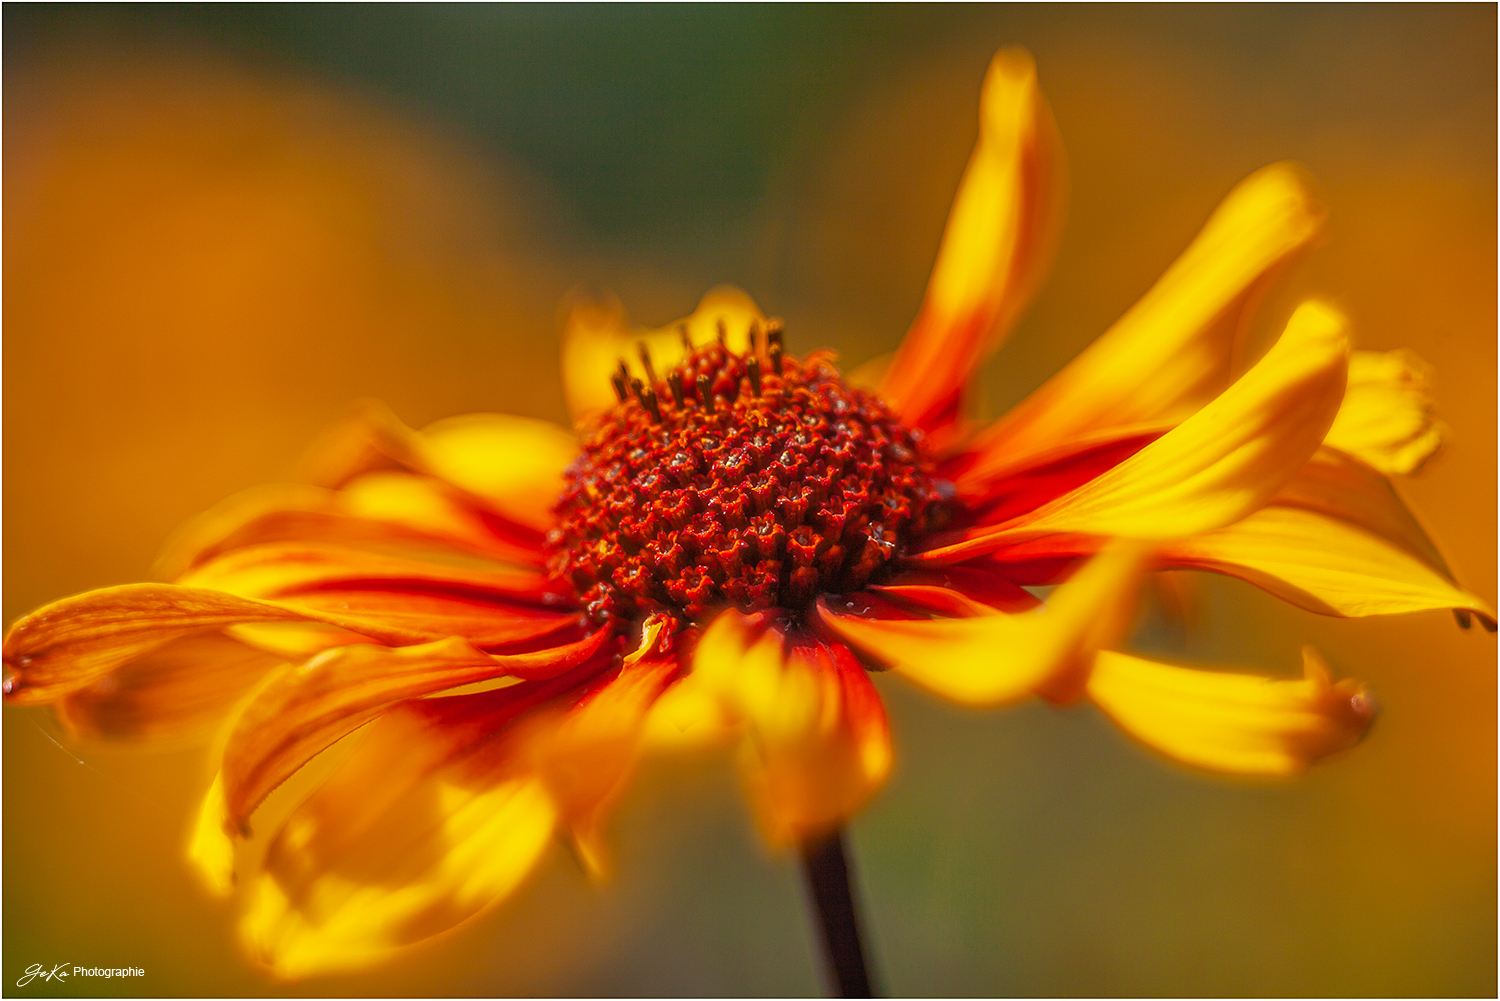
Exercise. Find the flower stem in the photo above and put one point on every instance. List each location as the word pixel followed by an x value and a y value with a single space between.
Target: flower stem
pixel 827 870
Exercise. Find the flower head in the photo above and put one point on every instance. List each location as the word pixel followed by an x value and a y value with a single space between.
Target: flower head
pixel 735 535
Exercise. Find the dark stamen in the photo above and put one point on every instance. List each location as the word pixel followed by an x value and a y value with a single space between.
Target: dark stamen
pixel 687 342
pixel 646 363
pixel 752 367
pixel 674 379
pixel 652 405
pixel 723 332
pixel 705 393
pixel 617 381
pixel 776 357
pixel 754 335
pixel 635 390
pixel 774 329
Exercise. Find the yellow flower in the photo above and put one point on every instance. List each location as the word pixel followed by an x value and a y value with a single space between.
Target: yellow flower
pixel 511 613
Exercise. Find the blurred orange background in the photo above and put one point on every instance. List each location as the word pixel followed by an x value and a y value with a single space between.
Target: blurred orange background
pixel 223 224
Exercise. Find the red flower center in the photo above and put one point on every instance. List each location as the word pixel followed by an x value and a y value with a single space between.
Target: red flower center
pixel 754 481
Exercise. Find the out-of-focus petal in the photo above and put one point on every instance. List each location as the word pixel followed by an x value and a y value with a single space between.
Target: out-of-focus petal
pixel 177 692
pixel 1345 488
pixel 585 757
pixel 426 825
pixel 511 466
pixel 210 848
pixel 69 644
pixel 817 741
pixel 1233 722
pixel 441 809
pixel 998 243
pixel 1172 349
pixel 1323 564
pixel 304 709
pixel 1215 467
pixel 998 658
pixel 515 463
pixel 597 338
pixel 1386 418
pixel 387 508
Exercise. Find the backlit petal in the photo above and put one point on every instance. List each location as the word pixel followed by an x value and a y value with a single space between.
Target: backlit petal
pixel 597 338
pixel 512 466
pixel 304 709
pixel 1172 350
pixel 1386 418
pixel 177 692
pixel 426 825
pixel 1323 564
pixel 1215 467
pixel 998 242
pixel 515 463
pixel 1233 722
pixel 998 658
pixel 816 738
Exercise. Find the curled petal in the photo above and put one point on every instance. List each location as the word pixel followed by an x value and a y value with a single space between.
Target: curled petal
pixel 1323 564
pixel 1172 349
pixel 408 838
pixel 302 710
pixel 441 810
pixel 70 644
pixel 1233 722
pixel 179 691
pixel 998 658
pixel 998 242
pixel 1386 418
pixel 597 338
pixel 1215 467
pixel 817 741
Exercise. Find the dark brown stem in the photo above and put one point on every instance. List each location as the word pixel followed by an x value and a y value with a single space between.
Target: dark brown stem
pixel 827 872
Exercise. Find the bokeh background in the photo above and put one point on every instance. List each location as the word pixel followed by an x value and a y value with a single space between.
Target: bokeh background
pixel 222 224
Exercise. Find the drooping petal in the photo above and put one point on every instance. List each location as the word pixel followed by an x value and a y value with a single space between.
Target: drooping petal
pixel 1323 564
pixel 1233 722
pixel 407 839
pixel 69 644
pixel 440 811
pixel 304 709
pixel 998 658
pixel 597 338
pixel 179 691
pixel 1386 418
pixel 511 466
pixel 816 738
pixel 1212 469
pixel 584 758
pixel 1172 350
pixel 999 240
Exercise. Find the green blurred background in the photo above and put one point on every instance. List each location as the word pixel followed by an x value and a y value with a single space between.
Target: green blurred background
pixel 224 223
